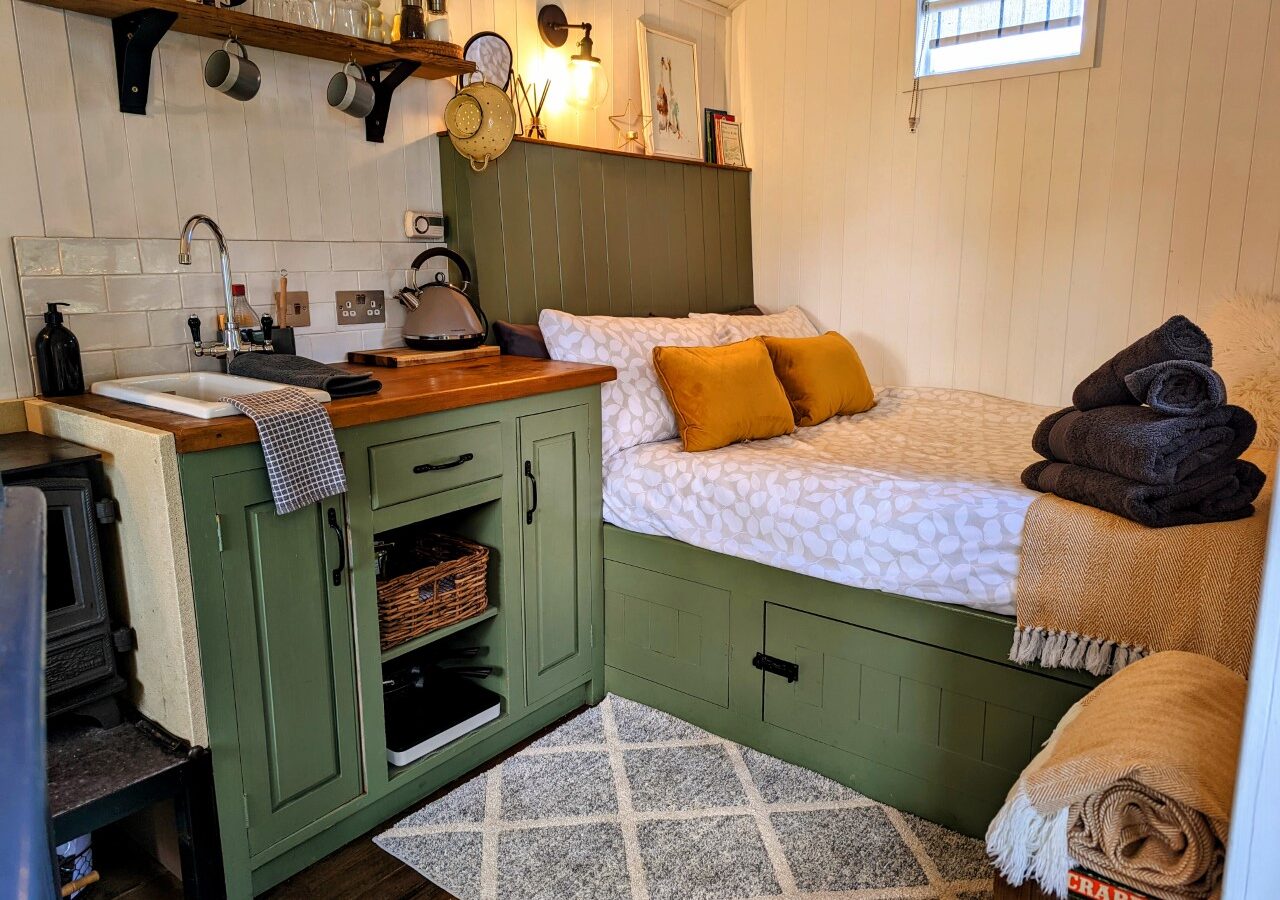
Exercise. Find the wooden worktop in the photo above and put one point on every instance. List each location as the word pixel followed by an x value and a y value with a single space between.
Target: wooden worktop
pixel 405 392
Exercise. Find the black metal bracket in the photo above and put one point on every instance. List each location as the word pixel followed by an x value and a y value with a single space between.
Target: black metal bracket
pixel 766 663
pixel 385 78
pixel 136 35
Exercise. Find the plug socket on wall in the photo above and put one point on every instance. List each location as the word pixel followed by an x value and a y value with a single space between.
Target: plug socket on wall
pixel 296 311
pixel 361 308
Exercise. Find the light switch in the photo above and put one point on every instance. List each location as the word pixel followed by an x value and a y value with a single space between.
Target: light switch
pixel 361 308
pixel 296 312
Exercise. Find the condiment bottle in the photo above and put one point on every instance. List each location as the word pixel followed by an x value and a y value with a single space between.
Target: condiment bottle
pixel 437 21
pixel 413 25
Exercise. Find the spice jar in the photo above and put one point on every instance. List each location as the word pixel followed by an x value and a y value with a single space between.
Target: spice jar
pixel 413 24
pixel 437 21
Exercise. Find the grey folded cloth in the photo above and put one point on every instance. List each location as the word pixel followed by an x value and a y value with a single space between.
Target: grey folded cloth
pixel 303 464
pixel 1178 387
pixel 303 372
pixel 1218 494
pixel 1178 338
pixel 1138 443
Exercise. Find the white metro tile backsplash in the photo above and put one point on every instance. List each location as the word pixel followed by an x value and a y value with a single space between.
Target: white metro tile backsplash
pixel 131 300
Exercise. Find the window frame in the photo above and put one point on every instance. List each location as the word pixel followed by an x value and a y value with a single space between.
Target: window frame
pixel 908 38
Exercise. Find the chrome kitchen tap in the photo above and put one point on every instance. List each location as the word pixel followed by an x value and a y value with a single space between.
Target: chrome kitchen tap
pixel 231 342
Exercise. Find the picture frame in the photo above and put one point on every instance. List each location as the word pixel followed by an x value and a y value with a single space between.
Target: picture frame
pixel 670 93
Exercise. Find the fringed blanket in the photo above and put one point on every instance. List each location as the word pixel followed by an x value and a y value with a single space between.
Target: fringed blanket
pixel 1098 592
pixel 1135 783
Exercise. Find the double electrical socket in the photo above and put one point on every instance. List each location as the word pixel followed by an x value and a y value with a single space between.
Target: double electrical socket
pixel 361 308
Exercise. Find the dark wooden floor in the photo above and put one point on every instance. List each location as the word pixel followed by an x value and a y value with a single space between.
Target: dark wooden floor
pixel 358 871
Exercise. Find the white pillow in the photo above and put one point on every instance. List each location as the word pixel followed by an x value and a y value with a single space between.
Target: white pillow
pixel 634 410
pixel 1245 331
pixel 790 324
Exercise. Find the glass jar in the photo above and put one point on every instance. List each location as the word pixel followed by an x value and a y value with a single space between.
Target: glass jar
pixel 413 24
pixel 437 21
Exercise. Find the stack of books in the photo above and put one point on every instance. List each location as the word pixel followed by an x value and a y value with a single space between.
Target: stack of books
pixel 722 136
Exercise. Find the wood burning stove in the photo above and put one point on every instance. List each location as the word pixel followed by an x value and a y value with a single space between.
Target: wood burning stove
pixel 81 669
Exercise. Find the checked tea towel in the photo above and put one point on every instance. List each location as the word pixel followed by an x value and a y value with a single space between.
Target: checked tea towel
pixel 298 443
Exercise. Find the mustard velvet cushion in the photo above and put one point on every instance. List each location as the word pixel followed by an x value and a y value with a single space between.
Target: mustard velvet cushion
pixel 722 395
pixel 823 377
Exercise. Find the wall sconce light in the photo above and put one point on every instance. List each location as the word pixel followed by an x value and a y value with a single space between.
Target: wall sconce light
pixel 588 83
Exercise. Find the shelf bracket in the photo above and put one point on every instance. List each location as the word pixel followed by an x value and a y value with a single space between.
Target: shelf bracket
pixel 385 78
pixel 136 35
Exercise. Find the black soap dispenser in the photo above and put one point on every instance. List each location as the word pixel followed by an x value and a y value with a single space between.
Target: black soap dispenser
pixel 58 357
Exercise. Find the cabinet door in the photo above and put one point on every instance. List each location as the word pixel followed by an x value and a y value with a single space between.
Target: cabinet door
pixel 292 656
pixel 555 468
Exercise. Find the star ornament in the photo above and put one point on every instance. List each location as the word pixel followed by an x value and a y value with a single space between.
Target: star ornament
pixel 631 126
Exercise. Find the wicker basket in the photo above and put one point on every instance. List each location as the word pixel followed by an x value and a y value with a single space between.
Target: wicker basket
pixel 447 585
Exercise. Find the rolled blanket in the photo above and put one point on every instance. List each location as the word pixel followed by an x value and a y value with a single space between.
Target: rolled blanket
pixel 1178 387
pixel 1143 445
pixel 1217 494
pixel 1135 783
pixel 302 372
pixel 1178 338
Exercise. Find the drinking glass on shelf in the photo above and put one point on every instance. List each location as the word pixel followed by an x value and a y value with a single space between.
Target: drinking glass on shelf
pixel 269 9
pixel 350 18
pixel 301 12
pixel 324 13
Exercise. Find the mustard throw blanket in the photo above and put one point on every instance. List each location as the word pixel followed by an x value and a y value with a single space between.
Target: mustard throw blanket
pixel 1097 592
pixel 1135 783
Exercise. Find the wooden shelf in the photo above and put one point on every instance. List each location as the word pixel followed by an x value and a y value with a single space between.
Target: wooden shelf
pixel 611 152
pixel 270 34
pixel 438 635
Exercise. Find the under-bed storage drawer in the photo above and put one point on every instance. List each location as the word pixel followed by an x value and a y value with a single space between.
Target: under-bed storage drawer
pixel 668 630
pixel 417 467
pixel 944 716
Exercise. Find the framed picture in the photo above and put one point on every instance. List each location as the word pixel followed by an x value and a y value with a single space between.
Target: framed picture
pixel 669 92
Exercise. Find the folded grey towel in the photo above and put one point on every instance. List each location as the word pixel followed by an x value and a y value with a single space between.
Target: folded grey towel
pixel 1178 338
pixel 303 372
pixel 1219 494
pixel 303 464
pixel 1138 443
pixel 1178 387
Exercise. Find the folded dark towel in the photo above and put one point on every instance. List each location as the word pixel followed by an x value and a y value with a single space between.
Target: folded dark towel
pixel 1178 387
pixel 1140 444
pixel 1179 338
pixel 1219 494
pixel 303 372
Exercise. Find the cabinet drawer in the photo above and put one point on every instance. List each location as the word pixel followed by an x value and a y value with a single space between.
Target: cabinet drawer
pixel 420 466
pixel 668 630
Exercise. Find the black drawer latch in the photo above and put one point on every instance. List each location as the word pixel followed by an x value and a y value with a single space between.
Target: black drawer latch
pixel 766 663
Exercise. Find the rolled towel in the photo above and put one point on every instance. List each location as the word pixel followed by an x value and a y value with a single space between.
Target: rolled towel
pixel 302 372
pixel 1141 444
pixel 1178 338
pixel 1136 783
pixel 1218 494
pixel 1178 387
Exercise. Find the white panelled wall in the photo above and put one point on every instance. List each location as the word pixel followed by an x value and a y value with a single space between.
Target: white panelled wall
pixel 281 170
pixel 1033 225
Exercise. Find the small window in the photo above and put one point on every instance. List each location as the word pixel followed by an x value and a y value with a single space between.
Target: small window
pixel 958 41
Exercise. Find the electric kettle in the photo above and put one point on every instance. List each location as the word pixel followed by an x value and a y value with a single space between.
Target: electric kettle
pixel 440 315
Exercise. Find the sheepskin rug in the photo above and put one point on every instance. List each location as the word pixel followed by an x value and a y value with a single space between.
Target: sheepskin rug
pixel 1245 331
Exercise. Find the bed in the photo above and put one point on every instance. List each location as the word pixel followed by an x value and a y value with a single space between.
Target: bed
pixel 918 497
pixel 841 597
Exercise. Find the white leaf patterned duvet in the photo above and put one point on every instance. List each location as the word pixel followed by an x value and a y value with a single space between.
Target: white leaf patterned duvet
pixel 919 496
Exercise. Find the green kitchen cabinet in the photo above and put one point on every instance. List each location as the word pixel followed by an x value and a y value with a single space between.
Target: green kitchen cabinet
pixel 292 656
pixel 556 545
pixel 287 619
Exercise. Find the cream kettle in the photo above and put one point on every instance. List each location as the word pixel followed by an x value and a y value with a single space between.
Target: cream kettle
pixel 441 316
pixel 481 122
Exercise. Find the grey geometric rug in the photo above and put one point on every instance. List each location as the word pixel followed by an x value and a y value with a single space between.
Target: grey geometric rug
pixel 625 802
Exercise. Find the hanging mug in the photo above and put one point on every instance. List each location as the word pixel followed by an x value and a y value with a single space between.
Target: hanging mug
pixel 233 74
pixel 350 93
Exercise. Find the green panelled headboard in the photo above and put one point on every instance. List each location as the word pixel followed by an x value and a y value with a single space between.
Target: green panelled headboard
pixel 599 232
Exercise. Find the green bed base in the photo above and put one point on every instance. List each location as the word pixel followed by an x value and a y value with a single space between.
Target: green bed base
pixel 912 703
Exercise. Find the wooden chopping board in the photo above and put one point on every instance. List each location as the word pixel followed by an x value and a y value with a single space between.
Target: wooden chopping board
pixel 407 356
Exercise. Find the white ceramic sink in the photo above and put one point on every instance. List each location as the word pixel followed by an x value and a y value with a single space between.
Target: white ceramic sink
pixel 191 393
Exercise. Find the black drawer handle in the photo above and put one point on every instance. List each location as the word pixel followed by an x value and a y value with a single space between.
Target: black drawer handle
pixel 438 467
pixel 533 481
pixel 342 546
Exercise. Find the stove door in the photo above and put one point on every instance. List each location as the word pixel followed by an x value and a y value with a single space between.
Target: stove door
pixel 75 595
